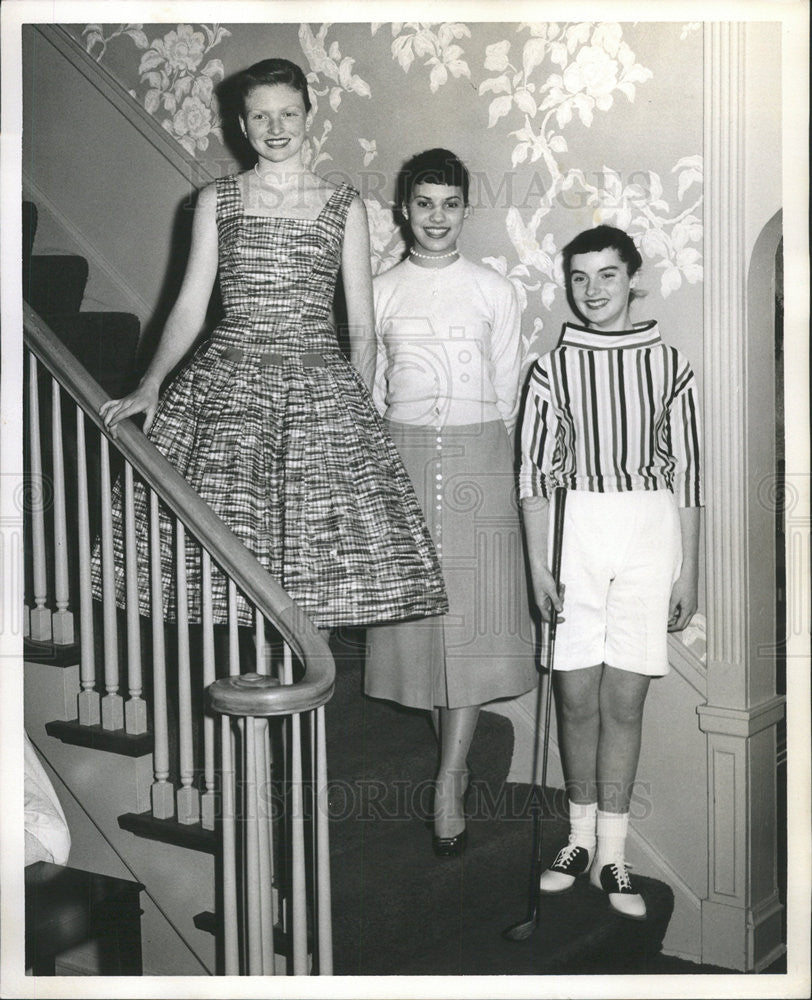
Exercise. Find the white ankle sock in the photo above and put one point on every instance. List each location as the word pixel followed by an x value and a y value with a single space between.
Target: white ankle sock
pixel 611 830
pixel 582 824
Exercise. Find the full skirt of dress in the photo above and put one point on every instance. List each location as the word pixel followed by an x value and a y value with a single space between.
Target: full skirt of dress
pixel 295 460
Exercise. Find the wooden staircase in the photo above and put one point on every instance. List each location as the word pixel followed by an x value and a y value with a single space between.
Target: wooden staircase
pixel 167 795
pixel 397 909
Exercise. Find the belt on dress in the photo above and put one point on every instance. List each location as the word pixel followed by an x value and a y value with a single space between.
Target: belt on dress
pixel 307 359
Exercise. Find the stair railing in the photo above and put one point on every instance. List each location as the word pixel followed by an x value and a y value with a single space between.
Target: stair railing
pixel 268 877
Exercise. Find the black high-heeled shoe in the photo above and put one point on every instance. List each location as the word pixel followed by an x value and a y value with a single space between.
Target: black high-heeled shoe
pixel 453 847
pixel 449 847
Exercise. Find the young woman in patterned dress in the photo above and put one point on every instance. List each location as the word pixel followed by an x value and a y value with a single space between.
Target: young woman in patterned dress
pixel 269 421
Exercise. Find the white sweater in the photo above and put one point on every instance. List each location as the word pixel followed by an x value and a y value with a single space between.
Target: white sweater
pixel 449 345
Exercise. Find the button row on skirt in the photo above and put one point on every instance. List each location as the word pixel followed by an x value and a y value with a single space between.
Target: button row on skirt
pixel 439 493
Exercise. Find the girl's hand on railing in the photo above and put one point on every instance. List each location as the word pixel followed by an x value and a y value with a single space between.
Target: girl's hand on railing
pixel 144 400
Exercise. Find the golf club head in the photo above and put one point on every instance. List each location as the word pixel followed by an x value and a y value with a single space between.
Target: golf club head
pixel 521 931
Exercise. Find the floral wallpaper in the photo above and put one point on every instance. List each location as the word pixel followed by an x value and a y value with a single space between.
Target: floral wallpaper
pixel 563 125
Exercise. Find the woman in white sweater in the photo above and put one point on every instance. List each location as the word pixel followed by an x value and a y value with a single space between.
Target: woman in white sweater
pixel 447 384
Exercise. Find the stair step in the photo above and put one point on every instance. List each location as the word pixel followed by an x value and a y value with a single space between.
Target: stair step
pixel 106 344
pixel 577 933
pixel 170 831
pixel 55 283
pixel 53 653
pixel 111 740
pixel 405 912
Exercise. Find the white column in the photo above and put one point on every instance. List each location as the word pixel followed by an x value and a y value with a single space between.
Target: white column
pixel 741 917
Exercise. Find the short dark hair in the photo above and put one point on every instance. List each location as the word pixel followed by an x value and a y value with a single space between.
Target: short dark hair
pixel 433 166
pixel 602 238
pixel 269 72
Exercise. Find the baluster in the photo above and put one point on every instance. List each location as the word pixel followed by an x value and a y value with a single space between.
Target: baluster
pixel 234 670
pixel 287 665
pixel 230 935
pixel 163 799
pixel 135 709
pixel 233 634
pixel 286 677
pixel 271 915
pixel 262 648
pixel 207 803
pixel 311 797
pixel 252 864
pixel 62 619
pixel 298 883
pixel 89 699
pixel 40 616
pixel 112 704
pixel 188 799
pixel 262 745
pixel 322 820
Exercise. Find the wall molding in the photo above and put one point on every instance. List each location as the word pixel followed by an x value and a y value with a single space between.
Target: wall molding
pixel 741 722
pixel 133 301
pixel 192 170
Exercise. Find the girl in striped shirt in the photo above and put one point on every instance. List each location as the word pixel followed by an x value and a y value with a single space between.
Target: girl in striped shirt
pixel 611 415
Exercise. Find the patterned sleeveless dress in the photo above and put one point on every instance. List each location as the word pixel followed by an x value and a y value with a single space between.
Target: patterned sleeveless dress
pixel 274 428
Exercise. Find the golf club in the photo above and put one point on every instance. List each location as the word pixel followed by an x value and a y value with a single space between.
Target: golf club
pixel 522 930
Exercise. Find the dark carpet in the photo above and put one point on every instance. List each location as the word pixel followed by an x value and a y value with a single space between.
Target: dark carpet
pixel 398 910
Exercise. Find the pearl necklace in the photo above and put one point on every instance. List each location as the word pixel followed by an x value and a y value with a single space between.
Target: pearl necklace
pixel 278 184
pixel 433 256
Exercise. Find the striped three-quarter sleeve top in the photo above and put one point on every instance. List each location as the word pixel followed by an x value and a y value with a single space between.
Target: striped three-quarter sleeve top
pixel 612 412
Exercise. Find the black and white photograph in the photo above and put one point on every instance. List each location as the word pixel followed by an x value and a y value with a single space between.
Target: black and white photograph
pixel 404 499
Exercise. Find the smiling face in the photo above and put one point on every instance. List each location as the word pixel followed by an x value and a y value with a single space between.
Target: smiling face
pixel 275 121
pixel 435 213
pixel 600 286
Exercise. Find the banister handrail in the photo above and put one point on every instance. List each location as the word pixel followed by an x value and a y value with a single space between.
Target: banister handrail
pixel 316 686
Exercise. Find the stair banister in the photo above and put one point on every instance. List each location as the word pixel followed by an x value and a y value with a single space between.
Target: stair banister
pixel 252 698
pixel 316 685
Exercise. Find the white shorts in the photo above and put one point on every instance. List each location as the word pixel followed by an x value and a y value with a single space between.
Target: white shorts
pixel 621 555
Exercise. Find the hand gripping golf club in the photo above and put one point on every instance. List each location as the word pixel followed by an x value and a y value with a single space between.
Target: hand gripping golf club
pixel 522 930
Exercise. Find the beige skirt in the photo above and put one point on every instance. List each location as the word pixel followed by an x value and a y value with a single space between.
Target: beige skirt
pixel 483 649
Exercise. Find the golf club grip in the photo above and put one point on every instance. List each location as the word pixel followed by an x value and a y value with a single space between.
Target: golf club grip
pixel 558 534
